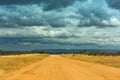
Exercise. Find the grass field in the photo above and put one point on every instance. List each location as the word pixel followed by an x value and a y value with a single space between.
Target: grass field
pixel 106 60
pixel 12 63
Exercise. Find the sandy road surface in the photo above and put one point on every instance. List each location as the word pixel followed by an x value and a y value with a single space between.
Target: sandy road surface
pixel 58 68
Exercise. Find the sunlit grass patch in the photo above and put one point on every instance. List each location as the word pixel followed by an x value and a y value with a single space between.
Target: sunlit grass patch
pixel 14 62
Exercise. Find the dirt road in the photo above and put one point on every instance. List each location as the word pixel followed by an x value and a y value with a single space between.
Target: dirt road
pixel 55 67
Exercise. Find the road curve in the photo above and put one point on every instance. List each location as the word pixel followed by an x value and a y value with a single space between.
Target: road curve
pixel 56 67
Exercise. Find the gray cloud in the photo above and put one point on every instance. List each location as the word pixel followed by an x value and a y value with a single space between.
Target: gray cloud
pixel 59 22
pixel 114 3
pixel 97 15
pixel 29 16
pixel 47 4
pixel 34 14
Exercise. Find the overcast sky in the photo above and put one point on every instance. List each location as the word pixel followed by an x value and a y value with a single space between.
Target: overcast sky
pixel 59 24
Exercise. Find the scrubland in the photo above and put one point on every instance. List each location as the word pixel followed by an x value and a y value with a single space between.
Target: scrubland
pixel 113 61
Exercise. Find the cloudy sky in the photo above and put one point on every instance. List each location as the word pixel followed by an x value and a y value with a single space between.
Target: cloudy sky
pixel 59 24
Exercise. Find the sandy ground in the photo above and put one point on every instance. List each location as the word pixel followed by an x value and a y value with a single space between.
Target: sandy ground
pixel 56 67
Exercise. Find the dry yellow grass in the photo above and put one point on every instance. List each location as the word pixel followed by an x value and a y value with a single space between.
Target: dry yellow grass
pixel 56 67
pixel 12 63
pixel 106 60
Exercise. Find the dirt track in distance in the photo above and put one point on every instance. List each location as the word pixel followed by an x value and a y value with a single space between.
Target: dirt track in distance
pixel 56 67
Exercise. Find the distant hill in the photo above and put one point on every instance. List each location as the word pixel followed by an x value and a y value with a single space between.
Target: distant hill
pixel 58 51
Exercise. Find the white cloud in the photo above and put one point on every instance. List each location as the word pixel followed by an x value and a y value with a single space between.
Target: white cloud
pixel 67 35
pixel 115 21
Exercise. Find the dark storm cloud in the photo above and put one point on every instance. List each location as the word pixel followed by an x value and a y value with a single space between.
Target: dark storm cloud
pixel 55 21
pixel 96 14
pixel 114 3
pixel 11 2
pixel 48 4
pixel 94 23
pixel 55 4
pixel 16 15
pixel 37 40
pixel 62 22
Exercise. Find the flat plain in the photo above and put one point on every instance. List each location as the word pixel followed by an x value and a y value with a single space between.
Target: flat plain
pixel 56 67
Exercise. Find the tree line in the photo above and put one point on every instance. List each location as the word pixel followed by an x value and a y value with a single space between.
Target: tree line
pixel 21 52
pixel 97 53
pixel 14 52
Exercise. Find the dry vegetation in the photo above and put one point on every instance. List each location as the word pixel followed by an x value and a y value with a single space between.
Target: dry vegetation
pixel 14 62
pixel 106 60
